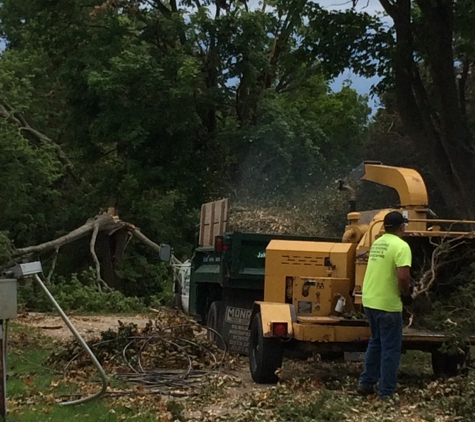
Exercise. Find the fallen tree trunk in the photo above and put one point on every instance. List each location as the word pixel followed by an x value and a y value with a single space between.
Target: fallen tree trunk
pixel 108 223
pixel 103 222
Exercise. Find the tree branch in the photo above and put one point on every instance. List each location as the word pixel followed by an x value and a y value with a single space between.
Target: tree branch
pixel 389 7
pixel 161 7
pixel 6 111
pixel 53 266
pixel 92 244
pixel 105 222
pixel 437 261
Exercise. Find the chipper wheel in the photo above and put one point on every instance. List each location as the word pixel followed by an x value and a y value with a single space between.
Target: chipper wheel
pixel 265 354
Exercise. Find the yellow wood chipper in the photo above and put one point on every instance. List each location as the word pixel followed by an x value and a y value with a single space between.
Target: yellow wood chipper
pixel 311 287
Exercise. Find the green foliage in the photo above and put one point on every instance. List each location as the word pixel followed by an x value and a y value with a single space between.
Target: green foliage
pixel 6 248
pixel 160 111
pixel 80 293
pixel 146 278
pixel 303 138
pixel 27 192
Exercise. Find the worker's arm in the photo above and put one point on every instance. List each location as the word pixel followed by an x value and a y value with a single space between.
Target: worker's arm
pixel 404 279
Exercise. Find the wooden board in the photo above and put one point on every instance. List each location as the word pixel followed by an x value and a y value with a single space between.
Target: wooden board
pixel 213 221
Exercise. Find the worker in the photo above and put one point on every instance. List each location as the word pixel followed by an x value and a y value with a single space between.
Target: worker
pixel 387 278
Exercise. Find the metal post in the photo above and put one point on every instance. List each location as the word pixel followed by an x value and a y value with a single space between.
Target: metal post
pixel 77 336
pixel 3 369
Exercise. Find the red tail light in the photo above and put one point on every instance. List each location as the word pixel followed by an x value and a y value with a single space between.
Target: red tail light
pixel 218 244
pixel 279 329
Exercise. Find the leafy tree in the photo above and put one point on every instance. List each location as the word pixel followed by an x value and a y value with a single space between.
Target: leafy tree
pixel 159 106
pixel 432 92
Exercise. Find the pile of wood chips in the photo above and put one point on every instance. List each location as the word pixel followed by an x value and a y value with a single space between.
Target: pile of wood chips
pixel 259 219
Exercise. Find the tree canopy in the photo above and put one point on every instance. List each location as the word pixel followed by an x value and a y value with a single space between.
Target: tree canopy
pixel 154 107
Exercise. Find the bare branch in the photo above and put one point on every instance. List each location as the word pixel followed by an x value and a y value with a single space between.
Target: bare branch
pixel 438 260
pixel 135 231
pixel 107 222
pixel 92 244
pixel 389 7
pixel 53 266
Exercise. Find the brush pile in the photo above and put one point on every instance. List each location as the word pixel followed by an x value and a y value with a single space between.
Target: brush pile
pixel 169 355
pixel 444 286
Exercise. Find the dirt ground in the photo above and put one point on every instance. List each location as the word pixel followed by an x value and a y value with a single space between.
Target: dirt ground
pixel 88 326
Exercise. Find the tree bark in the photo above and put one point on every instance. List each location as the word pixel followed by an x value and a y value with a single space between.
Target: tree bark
pixel 435 122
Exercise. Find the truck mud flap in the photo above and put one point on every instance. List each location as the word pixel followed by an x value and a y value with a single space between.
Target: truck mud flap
pixel 237 315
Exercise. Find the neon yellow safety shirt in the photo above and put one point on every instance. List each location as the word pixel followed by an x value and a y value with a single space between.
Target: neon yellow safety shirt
pixel 380 285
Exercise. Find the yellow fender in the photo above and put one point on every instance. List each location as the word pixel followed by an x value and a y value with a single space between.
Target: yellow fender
pixel 272 313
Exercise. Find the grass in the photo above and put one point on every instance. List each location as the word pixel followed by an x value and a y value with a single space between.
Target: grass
pixel 95 411
pixel 35 390
pixel 310 392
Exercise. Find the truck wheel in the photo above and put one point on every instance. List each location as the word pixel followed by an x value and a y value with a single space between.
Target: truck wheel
pixel 445 365
pixel 265 354
pixel 214 321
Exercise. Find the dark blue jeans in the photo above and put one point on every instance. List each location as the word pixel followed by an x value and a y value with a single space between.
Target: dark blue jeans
pixel 384 351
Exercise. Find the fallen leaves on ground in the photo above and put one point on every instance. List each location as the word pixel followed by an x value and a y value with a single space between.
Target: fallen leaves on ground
pixel 310 390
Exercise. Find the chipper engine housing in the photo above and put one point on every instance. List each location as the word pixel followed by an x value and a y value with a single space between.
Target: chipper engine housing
pixel 312 276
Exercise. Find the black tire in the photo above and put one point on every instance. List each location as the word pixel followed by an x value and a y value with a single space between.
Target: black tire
pixel 214 321
pixel 265 354
pixel 450 365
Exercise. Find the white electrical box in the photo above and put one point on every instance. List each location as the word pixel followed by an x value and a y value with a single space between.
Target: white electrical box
pixel 30 268
pixel 8 298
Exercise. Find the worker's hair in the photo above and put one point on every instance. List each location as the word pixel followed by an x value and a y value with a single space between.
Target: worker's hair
pixel 392 229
